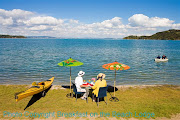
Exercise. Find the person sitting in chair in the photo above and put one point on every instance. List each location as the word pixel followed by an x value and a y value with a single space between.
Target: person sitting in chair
pixel 101 82
pixel 79 85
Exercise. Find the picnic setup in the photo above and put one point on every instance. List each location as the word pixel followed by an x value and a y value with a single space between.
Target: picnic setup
pixel 96 88
pixel 91 88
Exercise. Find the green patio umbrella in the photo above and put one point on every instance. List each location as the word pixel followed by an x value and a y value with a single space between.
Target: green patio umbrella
pixel 69 63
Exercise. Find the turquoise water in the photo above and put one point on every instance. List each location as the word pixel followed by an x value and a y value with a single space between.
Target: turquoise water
pixel 23 61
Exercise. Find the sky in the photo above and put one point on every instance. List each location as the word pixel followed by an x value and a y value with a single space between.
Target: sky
pixel 88 18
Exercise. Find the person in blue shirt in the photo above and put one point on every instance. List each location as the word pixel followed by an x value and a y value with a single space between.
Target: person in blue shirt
pixel 158 57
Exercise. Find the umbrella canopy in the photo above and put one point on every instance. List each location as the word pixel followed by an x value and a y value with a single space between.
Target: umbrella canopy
pixel 69 63
pixel 115 66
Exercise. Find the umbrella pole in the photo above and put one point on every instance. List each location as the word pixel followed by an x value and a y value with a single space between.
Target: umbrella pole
pixel 70 81
pixel 114 83
pixel 114 99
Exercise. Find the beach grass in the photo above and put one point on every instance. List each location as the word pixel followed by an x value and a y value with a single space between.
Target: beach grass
pixel 134 102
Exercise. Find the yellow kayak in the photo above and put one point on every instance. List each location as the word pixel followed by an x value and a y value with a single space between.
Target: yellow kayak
pixel 36 88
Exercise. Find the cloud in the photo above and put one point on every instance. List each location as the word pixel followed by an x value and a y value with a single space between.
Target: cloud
pixel 40 27
pixel 47 20
pixel 15 13
pixel 6 21
pixel 21 22
pixel 12 17
pixel 145 21
pixel 112 23
pixel 73 21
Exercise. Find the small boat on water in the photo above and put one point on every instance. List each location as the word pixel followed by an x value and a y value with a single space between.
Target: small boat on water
pixel 160 60
pixel 35 89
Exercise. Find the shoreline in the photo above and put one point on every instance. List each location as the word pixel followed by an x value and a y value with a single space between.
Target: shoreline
pixel 118 86
pixel 123 86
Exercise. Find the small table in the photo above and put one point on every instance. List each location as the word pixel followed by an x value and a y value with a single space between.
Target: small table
pixel 88 88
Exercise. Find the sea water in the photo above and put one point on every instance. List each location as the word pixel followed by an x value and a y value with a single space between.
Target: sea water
pixel 23 61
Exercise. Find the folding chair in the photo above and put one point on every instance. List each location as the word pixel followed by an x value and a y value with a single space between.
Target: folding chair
pixel 102 93
pixel 75 91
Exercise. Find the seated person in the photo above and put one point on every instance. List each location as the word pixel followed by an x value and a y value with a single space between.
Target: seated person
pixel 164 57
pixel 79 85
pixel 158 57
pixel 101 82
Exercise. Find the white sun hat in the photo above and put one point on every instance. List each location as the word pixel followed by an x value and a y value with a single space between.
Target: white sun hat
pixel 81 73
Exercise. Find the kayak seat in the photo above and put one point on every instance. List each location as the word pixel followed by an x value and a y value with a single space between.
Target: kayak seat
pixel 41 83
pixel 35 87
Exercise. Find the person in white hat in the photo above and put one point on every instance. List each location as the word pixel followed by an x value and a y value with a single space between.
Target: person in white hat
pixel 79 85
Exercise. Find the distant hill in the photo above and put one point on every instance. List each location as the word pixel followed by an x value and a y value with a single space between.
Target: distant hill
pixel 11 36
pixel 41 37
pixel 165 35
pixel 33 37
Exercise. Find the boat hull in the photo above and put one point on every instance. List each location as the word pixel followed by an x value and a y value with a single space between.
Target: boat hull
pixel 34 89
pixel 160 60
